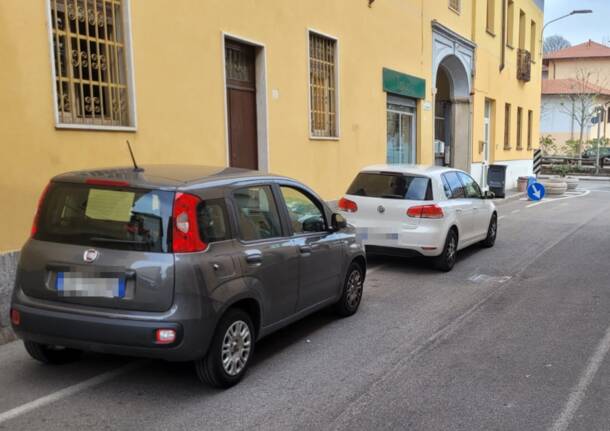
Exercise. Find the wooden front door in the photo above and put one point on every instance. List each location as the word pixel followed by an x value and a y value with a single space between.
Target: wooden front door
pixel 241 105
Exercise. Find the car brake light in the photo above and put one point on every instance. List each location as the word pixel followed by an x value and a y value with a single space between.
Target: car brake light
pixel 426 211
pixel 186 237
pixel 347 205
pixel 37 215
pixel 165 336
pixel 15 317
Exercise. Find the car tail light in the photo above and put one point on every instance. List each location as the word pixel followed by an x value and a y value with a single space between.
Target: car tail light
pixel 165 336
pixel 186 237
pixel 347 205
pixel 15 317
pixel 426 211
pixel 37 215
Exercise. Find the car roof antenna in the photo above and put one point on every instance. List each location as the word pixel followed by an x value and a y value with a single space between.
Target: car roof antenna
pixel 136 168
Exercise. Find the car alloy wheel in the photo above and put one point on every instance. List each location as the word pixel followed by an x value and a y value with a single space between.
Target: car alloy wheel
pixel 236 348
pixel 354 289
pixel 451 250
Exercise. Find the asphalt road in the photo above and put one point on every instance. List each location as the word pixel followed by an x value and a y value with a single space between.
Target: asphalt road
pixel 514 338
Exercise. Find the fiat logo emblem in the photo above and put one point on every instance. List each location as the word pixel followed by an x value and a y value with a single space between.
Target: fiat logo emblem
pixel 90 255
pixel 380 209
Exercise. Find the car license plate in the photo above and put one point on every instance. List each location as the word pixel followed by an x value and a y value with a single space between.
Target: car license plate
pixel 88 285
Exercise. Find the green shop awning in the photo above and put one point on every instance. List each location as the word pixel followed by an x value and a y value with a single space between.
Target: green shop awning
pixel 403 84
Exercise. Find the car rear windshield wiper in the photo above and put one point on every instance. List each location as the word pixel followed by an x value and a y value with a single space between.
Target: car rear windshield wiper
pixel 391 196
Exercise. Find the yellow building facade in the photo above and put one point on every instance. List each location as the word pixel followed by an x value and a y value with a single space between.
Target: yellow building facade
pixel 310 89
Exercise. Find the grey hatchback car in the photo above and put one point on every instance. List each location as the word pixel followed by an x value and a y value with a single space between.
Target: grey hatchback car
pixel 182 263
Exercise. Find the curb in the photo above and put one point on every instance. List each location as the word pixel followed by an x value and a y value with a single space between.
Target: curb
pixel 7 335
pixel 513 197
pixel 594 178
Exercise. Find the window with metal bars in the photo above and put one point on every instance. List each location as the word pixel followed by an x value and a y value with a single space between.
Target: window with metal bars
pixel 89 53
pixel 456 5
pixel 322 86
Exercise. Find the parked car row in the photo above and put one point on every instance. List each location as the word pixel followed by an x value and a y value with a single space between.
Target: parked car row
pixel 188 263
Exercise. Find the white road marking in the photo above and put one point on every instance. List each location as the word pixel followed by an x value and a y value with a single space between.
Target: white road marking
pixel 501 217
pixel 515 211
pixel 577 395
pixel 66 392
pixel 546 201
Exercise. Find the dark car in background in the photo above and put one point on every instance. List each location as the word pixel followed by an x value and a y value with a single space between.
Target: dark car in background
pixel 181 263
pixel 604 154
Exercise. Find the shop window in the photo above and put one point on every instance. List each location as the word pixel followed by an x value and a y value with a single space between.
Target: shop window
pixel 90 62
pixel 323 86
pixel 401 136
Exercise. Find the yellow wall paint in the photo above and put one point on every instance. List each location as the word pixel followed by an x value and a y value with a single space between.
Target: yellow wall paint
pixel 179 87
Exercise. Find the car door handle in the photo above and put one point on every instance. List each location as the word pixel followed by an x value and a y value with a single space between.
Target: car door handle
pixel 305 249
pixel 254 257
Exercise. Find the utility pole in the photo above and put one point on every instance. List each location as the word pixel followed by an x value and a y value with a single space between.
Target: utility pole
pixel 600 117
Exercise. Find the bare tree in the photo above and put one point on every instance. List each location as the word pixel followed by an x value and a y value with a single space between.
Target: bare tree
pixel 583 96
pixel 555 43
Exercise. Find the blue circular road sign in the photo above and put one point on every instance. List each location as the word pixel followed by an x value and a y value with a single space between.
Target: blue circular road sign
pixel 535 191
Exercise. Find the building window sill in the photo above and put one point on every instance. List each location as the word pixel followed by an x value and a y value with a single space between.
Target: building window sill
pixel 94 127
pixel 324 138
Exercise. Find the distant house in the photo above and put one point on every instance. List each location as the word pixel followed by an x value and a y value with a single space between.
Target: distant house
pixel 570 75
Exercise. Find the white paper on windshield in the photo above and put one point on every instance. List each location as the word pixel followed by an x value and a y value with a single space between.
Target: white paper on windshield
pixel 109 205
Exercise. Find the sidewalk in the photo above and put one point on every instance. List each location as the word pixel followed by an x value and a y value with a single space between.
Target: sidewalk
pixel 511 195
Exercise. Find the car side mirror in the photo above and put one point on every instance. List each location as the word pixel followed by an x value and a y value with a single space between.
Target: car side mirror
pixel 487 194
pixel 338 222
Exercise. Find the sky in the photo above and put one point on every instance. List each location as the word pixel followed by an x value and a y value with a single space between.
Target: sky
pixel 579 28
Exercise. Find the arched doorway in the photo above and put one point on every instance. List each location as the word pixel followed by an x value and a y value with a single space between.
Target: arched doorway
pixel 452 114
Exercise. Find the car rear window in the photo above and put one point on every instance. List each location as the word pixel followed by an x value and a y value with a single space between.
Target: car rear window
pixel 109 217
pixel 391 185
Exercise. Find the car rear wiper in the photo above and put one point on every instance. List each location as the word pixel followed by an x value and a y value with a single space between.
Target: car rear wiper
pixel 389 196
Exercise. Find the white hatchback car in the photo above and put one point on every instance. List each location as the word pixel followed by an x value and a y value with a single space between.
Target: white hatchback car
pixel 419 210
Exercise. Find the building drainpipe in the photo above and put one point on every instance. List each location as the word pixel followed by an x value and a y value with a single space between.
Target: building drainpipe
pixel 503 38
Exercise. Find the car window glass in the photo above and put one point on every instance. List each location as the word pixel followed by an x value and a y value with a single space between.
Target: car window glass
pixel 305 214
pixel 471 188
pixel 391 185
pixel 213 221
pixel 257 213
pixel 457 189
pixel 446 187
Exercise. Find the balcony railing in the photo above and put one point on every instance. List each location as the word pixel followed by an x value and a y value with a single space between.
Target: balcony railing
pixel 524 65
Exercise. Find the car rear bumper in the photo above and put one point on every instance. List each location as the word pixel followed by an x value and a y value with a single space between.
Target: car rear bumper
pixel 422 241
pixel 132 336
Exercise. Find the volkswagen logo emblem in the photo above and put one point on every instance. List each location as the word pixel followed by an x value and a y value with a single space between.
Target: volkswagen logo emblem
pixel 90 255
pixel 380 209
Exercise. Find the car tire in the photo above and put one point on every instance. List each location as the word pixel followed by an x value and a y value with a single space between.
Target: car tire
pixel 50 354
pixel 446 260
pixel 351 296
pixel 230 353
pixel 492 232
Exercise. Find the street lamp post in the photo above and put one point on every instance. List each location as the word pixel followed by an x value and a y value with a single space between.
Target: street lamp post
pixel 574 12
